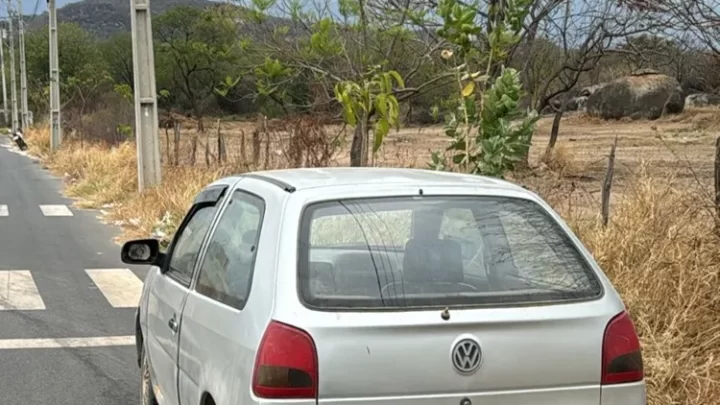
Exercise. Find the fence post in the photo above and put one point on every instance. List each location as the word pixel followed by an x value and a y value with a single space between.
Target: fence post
pixel 607 184
pixel 717 180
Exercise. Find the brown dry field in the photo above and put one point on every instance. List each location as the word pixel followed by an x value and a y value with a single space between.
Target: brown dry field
pixel 681 147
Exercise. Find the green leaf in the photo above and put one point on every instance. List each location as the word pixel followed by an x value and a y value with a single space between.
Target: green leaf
pixel 382 128
pixel 381 104
pixel 398 79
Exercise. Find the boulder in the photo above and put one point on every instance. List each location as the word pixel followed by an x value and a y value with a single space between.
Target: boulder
pixel 590 90
pixel 694 85
pixel 702 100
pixel 644 94
pixel 581 103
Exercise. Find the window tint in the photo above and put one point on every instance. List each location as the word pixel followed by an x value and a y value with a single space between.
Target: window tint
pixel 189 242
pixel 226 271
pixel 437 251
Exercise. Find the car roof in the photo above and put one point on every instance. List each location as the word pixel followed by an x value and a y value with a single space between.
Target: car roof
pixel 306 178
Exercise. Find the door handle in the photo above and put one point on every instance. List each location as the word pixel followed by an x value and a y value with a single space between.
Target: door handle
pixel 173 324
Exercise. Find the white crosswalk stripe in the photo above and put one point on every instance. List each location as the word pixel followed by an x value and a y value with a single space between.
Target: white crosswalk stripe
pixel 57 210
pixel 18 291
pixel 66 343
pixel 121 287
pixel 4 210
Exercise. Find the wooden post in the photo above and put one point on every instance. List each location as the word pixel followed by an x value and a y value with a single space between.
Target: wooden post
pixel 193 155
pixel 177 143
pixel 207 149
pixel 220 144
pixel 168 144
pixel 607 185
pixel 554 134
pixel 717 179
pixel 243 151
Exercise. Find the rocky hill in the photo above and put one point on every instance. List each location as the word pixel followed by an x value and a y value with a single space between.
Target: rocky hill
pixel 107 17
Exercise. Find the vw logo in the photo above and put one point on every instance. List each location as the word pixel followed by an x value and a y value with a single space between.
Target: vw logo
pixel 466 356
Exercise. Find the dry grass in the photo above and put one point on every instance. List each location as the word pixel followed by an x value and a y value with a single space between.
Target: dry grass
pixel 662 254
pixel 106 178
pixel 660 249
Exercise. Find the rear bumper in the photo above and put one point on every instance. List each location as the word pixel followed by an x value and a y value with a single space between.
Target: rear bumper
pixel 624 394
pixel 584 395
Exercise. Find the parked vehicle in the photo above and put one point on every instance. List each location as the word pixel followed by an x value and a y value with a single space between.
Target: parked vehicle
pixel 379 286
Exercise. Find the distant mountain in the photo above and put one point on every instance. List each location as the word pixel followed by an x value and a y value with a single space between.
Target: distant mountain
pixel 104 18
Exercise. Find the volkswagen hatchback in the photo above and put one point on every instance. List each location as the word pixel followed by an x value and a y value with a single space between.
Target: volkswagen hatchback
pixel 373 286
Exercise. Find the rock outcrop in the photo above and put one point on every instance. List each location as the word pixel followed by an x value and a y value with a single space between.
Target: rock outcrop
pixel 646 94
pixel 702 100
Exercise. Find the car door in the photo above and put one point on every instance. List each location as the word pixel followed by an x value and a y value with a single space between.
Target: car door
pixel 169 292
pixel 216 343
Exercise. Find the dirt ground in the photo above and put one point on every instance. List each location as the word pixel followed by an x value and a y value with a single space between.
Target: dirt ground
pixel 679 147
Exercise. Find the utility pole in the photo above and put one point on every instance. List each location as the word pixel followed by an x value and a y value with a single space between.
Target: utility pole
pixel 146 116
pixel 23 71
pixel 55 127
pixel 13 84
pixel 2 70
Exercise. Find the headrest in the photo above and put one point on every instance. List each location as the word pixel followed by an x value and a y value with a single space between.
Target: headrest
pixel 434 260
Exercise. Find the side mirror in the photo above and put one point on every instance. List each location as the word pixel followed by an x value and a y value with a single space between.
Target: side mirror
pixel 142 251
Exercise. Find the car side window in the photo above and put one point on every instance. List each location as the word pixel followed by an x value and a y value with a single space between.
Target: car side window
pixel 188 244
pixel 226 271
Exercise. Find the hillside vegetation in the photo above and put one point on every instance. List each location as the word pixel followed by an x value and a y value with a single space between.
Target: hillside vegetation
pixel 105 18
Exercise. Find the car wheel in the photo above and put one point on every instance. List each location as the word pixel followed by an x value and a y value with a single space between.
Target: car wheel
pixel 147 396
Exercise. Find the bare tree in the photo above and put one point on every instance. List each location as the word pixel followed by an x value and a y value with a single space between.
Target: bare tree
pixel 572 39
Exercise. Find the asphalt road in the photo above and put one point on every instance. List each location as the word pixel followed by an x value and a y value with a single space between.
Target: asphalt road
pixel 67 302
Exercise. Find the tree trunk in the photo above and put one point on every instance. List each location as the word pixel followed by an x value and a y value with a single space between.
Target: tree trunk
pixel 359 148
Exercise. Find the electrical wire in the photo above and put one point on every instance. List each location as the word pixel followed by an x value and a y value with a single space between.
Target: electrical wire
pixel 34 14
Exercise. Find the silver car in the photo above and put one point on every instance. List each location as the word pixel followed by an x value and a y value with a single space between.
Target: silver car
pixel 370 286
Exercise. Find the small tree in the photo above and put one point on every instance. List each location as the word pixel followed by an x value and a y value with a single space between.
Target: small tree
pixel 484 137
pixel 373 93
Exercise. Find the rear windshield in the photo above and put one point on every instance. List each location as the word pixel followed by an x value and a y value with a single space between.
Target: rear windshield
pixel 437 252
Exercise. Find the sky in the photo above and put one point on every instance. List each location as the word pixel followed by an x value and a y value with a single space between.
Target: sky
pixel 29 6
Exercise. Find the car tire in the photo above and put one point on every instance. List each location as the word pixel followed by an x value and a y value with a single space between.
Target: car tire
pixel 147 396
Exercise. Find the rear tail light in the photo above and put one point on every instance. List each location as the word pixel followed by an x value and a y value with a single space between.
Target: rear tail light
pixel 621 357
pixel 286 364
